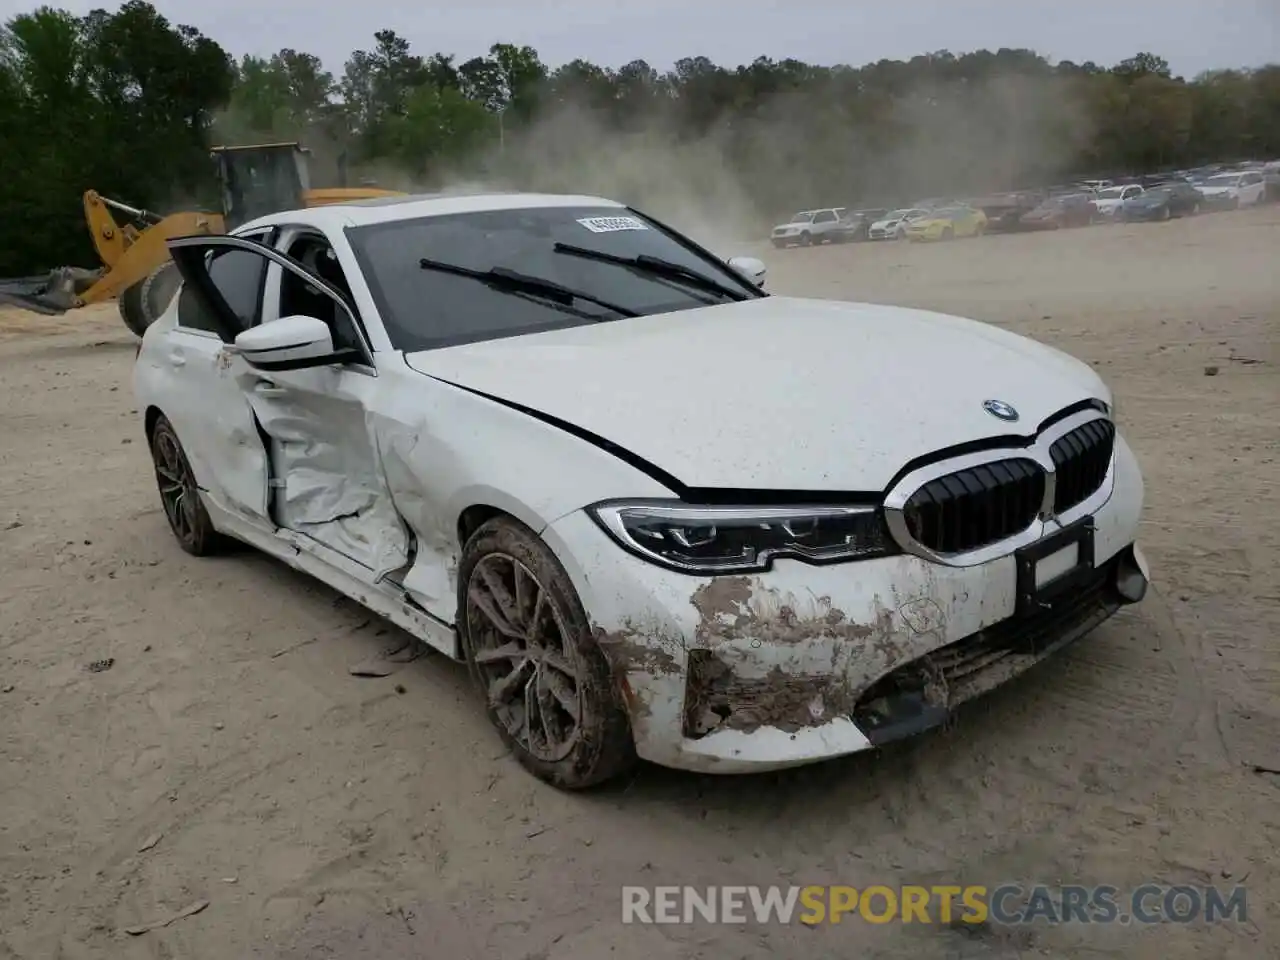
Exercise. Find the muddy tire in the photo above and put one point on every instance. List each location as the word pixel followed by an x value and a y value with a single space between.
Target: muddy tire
pixel 948 234
pixel 159 289
pixel 129 303
pixel 806 239
pixel 179 495
pixel 546 683
pixel 142 304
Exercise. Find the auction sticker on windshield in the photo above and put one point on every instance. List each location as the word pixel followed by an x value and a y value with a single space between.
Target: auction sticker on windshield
pixel 611 224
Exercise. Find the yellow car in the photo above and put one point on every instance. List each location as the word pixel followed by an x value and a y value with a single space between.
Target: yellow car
pixel 947 223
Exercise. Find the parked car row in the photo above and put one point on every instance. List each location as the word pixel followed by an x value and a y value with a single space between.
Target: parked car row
pixel 1078 204
pixel 827 225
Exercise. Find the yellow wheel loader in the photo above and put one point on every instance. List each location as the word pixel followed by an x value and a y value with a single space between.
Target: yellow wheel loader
pixel 255 180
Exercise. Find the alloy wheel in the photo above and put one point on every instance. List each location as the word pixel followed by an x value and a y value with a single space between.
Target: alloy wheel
pixel 178 490
pixel 520 647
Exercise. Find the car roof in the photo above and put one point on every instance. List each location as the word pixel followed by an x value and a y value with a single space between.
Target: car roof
pixel 374 210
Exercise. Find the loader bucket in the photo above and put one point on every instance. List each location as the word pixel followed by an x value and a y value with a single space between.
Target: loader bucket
pixel 55 293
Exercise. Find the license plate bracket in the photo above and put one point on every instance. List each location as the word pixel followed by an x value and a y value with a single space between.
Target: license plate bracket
pixel 1053 567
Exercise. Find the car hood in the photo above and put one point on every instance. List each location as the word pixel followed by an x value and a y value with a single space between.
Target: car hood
pixel 776 393
pixel 1217 191
pixel 886 224
pixel 1147 202
pixel 794 226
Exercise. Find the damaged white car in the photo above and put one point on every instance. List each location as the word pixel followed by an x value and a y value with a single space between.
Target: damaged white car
pixel 658 511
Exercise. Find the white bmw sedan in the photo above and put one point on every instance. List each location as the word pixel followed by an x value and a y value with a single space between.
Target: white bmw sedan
pixel 659 512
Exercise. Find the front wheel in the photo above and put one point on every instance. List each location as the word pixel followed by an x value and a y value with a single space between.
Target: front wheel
pixel 948 234
pixel 547 685
pixel 806 240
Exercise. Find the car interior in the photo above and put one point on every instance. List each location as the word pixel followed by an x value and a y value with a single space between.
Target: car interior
pixel 299 297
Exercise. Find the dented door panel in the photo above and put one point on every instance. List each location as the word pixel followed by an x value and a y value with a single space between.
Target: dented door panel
pixel 327 481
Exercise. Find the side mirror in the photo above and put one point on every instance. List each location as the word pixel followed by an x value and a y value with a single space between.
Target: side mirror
pixel 751 268
pixel 287 343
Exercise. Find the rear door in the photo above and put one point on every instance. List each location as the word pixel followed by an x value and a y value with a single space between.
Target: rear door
pixel 207 408
pixel 825 224
pixel 1253 188
pixel 327 489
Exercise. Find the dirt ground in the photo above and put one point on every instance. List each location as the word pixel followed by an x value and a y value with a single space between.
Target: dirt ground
pixel 322 815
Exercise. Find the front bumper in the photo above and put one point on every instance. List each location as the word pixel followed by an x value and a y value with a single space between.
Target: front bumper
pixel 803 663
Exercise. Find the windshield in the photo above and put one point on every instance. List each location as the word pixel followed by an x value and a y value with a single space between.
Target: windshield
pixel 899 214
pixel 1156 193
pixel 425 309
pixel 804 216
pixel 1223 180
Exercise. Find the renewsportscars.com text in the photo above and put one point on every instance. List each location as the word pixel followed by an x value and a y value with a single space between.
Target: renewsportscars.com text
pixel 1007 904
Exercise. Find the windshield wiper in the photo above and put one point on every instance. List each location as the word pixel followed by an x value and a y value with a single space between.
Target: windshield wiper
pixel 657 267
pixel 501 278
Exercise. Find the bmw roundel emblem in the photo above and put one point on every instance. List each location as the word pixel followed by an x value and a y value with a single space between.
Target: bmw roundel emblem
pixel 1000 410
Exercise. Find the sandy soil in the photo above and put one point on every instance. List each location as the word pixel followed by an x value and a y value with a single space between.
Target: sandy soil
pixel 323 815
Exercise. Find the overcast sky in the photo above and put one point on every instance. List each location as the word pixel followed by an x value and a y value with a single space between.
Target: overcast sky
pixel 1193 35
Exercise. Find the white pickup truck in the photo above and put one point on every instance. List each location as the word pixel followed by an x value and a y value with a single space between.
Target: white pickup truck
pixel 808 227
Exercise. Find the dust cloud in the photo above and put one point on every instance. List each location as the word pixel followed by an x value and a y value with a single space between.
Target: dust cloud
pixel 690 184
pixel 795 150
pixel 798 151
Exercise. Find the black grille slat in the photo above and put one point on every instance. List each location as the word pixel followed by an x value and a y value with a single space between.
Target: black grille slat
pixel 984 504
pixel 1080 460
pixel 971 508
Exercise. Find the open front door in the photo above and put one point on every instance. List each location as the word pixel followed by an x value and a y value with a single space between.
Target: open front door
pixel 308 378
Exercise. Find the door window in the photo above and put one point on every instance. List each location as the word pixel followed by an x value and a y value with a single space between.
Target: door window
pixel 826 216
pixel 298 297
pixel 238 276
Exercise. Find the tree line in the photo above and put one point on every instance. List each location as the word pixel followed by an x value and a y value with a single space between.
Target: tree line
pixel 128 103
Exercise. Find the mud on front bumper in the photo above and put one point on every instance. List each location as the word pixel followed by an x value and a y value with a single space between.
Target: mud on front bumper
pixel 802 663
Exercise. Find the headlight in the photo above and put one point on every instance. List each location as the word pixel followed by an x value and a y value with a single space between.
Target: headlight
pixel 712 540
